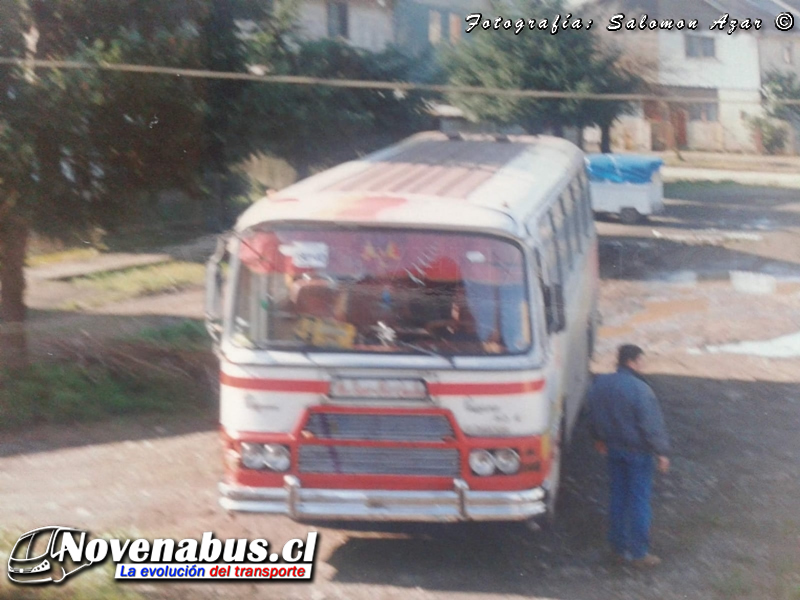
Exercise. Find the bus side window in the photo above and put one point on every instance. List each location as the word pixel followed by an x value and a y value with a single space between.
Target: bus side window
pixel 573 227
pixel 562 237
pixel 580 212
pixel 551 281
pixel 546 295
pixel 587 201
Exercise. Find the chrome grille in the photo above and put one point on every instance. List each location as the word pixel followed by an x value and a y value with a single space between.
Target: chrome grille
pixel 355 460
pixel 388 428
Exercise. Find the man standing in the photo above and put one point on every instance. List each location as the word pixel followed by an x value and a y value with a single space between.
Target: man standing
pixel 628 427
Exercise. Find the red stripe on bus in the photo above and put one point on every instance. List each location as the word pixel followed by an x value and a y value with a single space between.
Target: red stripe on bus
pixel 275 385
pixel 434 388
pixel 485 389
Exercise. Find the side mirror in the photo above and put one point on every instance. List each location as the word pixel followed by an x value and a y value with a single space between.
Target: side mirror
pixel 214 284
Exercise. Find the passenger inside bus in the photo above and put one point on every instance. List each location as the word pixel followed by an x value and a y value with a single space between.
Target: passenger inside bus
pixel 318 298
pixel 460 327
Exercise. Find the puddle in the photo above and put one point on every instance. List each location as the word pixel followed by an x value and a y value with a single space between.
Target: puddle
pixel 763 225
pixel 685 278
pixel 770 281
pixel 623 245
pixel 753 283
pixel 786 346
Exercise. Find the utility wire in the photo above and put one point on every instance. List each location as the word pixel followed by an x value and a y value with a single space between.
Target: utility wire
pixel 367 84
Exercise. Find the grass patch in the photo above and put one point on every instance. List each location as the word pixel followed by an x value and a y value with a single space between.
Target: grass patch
pixel 148 240
pixel 76 391
pixel 186 334
pixel 143 281
pixel 74 254
pixel 674 187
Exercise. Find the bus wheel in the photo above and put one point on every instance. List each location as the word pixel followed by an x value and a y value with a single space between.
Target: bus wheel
pixel 630 216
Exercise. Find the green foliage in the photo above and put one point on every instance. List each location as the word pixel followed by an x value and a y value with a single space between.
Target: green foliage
pixel 274 41
pixel 774 134
pixel 570 61
pixel 311 126
pixel 68 393
pixel 83 147
pixel 782 86
pixel 88 149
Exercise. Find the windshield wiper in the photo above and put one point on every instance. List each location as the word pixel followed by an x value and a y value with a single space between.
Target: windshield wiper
pixel 388 337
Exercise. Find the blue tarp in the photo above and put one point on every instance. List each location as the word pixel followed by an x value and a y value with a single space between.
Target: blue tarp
pixel 622 168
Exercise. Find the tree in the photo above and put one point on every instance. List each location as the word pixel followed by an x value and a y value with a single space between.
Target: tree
pixel 81 148
pixel 607 75
pixel 223 146
pixel 778 86
pixel 85 147
pixel 782 86
pixel 569 61
pixel 312 126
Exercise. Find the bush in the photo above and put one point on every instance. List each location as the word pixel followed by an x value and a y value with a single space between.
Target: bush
pixel 186 333
pixel 774 134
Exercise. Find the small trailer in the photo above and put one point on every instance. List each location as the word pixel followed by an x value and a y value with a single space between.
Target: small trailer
pixel 626 185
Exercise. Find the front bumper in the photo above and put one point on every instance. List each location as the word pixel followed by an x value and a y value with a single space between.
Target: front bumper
pixel 460 504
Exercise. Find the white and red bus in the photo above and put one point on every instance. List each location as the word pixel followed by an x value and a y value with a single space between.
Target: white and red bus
pixel 407 336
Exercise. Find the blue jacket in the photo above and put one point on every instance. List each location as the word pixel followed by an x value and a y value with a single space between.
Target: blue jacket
pixel 624 413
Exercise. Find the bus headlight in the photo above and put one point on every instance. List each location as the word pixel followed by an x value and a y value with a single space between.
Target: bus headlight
pixel 507 461
pixel 277 457
pixel 252 456
pixel 274 457
pixel 481 463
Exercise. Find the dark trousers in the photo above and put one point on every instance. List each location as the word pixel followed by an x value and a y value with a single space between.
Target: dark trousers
pixel 631 483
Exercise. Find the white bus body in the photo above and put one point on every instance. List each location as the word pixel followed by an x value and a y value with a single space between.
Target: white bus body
pixel 407 336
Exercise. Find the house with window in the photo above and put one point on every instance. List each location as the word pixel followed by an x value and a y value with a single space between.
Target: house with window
pixel 416 26
pixel 424 24
pixel 367 24
pixel 711 80
pixel 779 51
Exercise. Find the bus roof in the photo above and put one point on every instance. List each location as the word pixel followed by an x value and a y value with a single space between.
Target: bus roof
pixel 431 180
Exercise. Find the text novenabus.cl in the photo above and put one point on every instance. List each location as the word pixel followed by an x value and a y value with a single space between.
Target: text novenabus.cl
pixel 49 554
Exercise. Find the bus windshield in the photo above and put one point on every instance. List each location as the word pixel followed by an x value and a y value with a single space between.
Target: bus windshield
pixel 379 291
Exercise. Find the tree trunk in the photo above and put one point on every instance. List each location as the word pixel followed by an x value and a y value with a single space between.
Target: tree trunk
pixel 605 138
pixel 13 245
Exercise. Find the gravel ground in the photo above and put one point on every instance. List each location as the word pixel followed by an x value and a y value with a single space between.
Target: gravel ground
pixel 727 517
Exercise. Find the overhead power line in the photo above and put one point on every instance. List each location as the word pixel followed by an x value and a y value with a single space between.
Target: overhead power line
pixel 402 86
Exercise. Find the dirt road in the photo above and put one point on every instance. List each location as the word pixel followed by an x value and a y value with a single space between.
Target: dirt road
pixel 720 268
